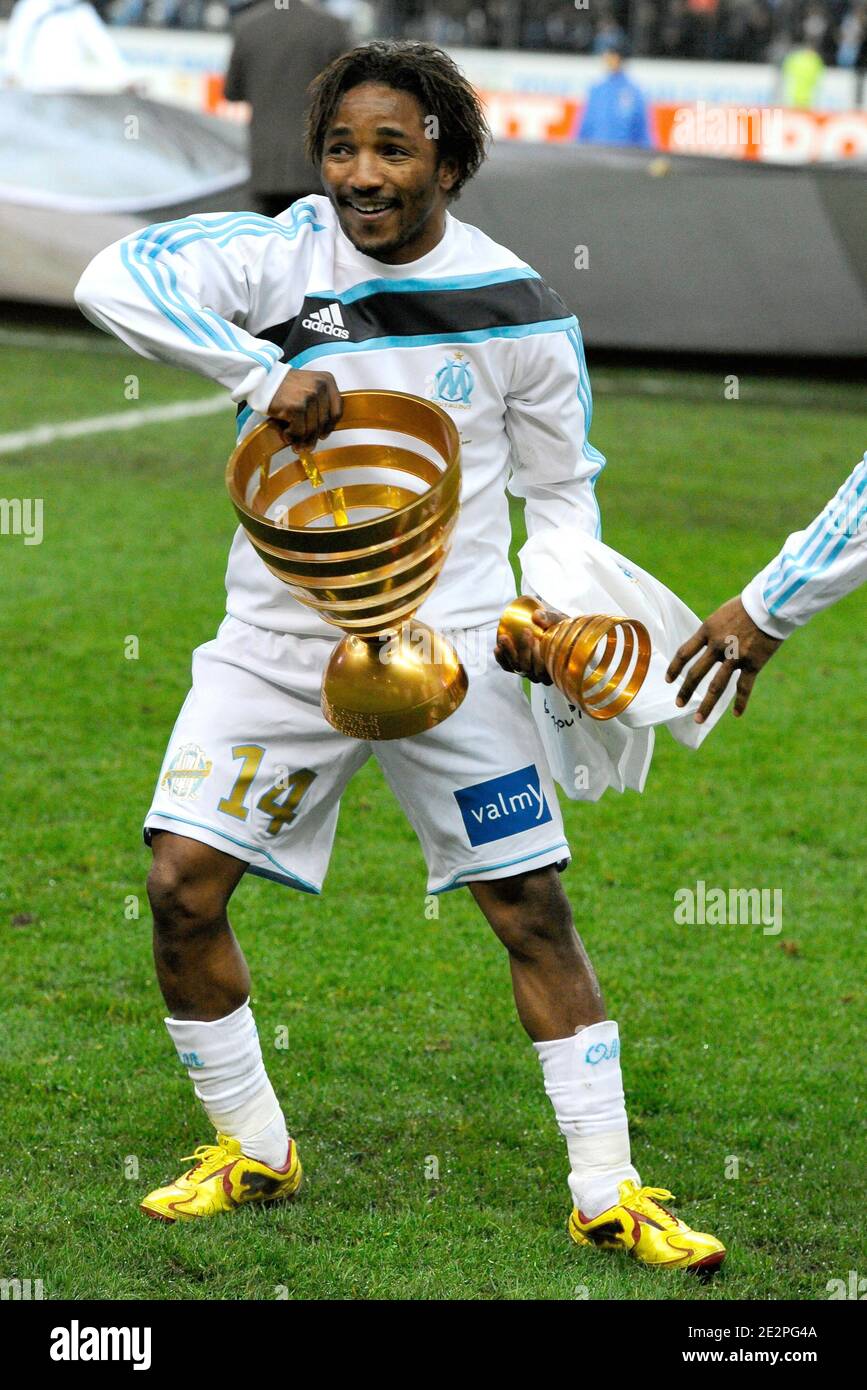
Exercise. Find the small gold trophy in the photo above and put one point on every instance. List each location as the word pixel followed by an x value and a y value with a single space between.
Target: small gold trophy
pixel 601 682
pixel 360 531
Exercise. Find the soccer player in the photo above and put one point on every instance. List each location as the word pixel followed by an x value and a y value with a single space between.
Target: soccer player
pixel 375 284
pixel 62 46
pixel 815 567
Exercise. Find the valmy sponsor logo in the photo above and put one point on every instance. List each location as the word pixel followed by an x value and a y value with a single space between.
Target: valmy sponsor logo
pixel 503 805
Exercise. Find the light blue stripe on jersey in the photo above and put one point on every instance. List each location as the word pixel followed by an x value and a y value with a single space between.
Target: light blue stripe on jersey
pixel 456 282
pixel 817 530
pixel 472 335
pixel 145 252
pixel 148 292
pixel 806 575
pixel 154 239
pixel 168 296
pixel 584 392
pixel 794 571
pixel 798 570
pixel 157 238
pixel 222 229
pixel 585 395
pixel 842 500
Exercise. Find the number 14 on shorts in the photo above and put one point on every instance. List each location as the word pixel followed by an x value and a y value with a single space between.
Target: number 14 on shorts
pixel 291 786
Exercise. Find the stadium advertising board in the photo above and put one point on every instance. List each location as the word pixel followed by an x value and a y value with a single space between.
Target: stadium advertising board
pixel 725 109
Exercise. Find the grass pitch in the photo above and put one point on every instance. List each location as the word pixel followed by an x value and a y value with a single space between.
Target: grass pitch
pixel 434 1167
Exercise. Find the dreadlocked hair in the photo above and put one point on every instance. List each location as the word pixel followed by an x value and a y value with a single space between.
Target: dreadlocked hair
pixel 428 74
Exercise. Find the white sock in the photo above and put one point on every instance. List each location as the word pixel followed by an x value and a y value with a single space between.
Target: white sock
pixel 582 1078
pixel 224 1062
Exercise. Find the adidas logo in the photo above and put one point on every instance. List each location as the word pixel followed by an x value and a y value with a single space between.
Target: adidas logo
pixel 328 320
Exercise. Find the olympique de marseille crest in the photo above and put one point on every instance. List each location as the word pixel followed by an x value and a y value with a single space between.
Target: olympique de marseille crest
pixel 453 383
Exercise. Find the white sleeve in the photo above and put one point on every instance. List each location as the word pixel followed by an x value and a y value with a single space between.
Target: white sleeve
pixel 548 413
pixel 816 566
pixel 17 32
pixel 180 292
pixel 99 44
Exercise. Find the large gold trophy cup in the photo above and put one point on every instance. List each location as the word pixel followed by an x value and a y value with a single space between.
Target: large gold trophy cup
pixel 359 531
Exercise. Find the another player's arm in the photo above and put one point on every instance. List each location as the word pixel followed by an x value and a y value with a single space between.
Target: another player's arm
pixel 181 292
pixel 814 568
pixel 548 413
pixel 730 637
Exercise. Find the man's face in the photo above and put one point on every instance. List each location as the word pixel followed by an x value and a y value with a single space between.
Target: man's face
pixel 377 155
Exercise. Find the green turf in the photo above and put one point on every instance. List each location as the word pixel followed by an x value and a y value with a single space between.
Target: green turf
pixel 404 1043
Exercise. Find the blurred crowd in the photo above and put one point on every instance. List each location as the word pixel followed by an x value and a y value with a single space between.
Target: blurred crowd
pixel 365 16
pixel 725 30
pixel 750 31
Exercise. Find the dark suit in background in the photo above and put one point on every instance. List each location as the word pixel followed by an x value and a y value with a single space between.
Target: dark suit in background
pixel 275 56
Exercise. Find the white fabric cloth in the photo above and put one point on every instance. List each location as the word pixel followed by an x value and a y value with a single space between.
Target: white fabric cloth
pixel 570 571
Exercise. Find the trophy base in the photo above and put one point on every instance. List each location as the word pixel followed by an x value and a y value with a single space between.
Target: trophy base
pixel 392 687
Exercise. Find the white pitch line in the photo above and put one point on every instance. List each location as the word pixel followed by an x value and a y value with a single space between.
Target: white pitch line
pixel 104 424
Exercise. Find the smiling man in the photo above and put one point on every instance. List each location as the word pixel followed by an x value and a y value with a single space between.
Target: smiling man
pixel 376 284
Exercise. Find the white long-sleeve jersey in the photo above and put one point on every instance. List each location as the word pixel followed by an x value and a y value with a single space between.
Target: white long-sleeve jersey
pixel 815 567
pixel 244 299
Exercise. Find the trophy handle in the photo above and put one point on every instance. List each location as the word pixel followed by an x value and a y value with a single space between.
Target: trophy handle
pixel 602 687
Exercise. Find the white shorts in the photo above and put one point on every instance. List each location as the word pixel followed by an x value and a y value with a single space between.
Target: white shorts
pixel 254 768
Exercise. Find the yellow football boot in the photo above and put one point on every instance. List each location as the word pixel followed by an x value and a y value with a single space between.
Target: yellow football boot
pixel 647 1232
pixel 221 1179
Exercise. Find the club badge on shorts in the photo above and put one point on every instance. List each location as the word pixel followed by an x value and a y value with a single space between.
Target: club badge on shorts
pixel 186 772
pixel 503 806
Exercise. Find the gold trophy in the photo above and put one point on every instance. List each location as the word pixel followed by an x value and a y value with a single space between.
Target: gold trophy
pixel 602 682
pixel 359 532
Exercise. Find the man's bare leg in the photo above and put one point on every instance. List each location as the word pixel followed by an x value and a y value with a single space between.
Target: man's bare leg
pixel 200 966
pixel 555 985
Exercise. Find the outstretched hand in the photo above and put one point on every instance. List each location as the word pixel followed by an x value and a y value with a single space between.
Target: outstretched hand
pixel 524 658
pixel 732 639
